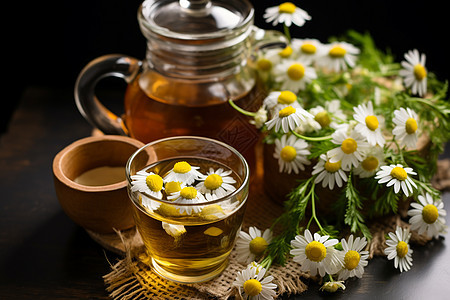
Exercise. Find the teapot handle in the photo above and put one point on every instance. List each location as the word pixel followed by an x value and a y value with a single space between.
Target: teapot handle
pixel 89 106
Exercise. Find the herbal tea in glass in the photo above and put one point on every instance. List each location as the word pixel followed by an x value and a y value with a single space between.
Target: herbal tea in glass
pixel 189 196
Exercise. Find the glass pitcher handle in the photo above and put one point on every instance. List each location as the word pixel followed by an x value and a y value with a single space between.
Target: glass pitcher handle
pixel 89 106
pixel 263 39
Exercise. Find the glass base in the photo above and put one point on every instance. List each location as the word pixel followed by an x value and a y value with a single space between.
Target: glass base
pixel 187 279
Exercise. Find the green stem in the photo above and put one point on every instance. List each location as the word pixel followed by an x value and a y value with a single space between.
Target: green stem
pixel 312 139
pixel 242 111
pixel 267 262
pixel 287 33
pixel 313 210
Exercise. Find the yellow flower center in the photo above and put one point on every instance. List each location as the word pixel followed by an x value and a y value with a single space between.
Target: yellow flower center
pixel 285 112
pixel 372 122
pixel 411 126
pixel 168 210
pixel 370 163
pixel 402 249
pixel 315 251
pixel 188 192
pixel 287 8
pixel 323 118
pixel 420 72
pixel 349 146
pixel 286 52
pixel 154 182
pixel 173 187
pixel 264 64
pixel 332 167
pixel 213 181
pixel 287 97
pixel 181 167
pixel 296 71
pixel 252 287
pixel 430 214
pixel 308 48
pixel 351 259
pixel 258 245
pixel 337 52
pixel 288 153
pixel 399 173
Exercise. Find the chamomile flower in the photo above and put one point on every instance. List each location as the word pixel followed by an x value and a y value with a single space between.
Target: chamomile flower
pixel 260 118
pixel 252 245
pixel 329 173
pixel 368 124
pixel 406 127
pixel 354 258
pixel 188 195
pixel 428 216
pixel 291 154
pixel 329 115
pixel 315 254
pixel 398 249
pixel 183 172
pixel 216 184
pixel 332 286
pixel 286 13
pixel 268 59
pixel 308 50
pixel 351 150
pixel 252 284
pixel 278 100
pixel 149 183
pixel 371 163
pixel 414 72
pixel 339 56
pixel 288 119
pixel 397 176
pixel 172 187
pixel 294 75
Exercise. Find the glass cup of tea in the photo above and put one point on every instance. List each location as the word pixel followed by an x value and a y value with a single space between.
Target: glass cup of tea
pixel 189 196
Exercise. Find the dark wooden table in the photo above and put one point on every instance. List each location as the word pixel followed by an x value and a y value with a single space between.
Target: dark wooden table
pixel 44 255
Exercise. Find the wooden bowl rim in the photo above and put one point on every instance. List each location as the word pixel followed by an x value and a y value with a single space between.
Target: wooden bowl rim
pixel 59 174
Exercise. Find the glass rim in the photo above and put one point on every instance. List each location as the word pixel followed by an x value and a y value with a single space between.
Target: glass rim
pixel 191 137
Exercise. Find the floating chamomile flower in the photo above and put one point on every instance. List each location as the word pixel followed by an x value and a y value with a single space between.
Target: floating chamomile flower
pixel 354 259
pixel 216 184
pixel 288 119
pixel 149 183
pixel 278 100
pixel 428 216
pixel 294 75
pixel 338 56
pixel 183 172
pixel 172 187
pixel 373 160
pixel 252 284
pixel 291 153
pixel 316 255
pixel 406 125
pixel 397 176
pixel 398 249
pixel 286 13
pixel 368 124
pixel 351 149
pixel 188 195
pixel 329 173
pixel 308 50
pixel 252 245
pixel 414 72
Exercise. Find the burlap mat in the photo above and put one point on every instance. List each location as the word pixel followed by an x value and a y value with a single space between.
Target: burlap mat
pixel 131 278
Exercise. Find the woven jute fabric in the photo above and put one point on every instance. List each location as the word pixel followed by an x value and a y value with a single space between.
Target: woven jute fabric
pixel 131 277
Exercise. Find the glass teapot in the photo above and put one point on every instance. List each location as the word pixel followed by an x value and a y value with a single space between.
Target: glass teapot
pixel 197 58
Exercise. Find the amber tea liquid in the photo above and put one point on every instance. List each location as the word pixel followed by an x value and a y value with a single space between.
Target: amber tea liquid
pixel 176 109
pixel 197 250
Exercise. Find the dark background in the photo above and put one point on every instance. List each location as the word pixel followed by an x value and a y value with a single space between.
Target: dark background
pixel 50 42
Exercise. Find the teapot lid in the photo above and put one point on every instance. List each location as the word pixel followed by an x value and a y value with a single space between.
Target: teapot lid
pixel 195 19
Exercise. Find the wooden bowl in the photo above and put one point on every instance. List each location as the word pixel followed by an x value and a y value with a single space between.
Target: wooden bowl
pixel 99 208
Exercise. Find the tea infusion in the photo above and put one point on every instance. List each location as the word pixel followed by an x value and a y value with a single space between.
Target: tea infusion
pixel 195 237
